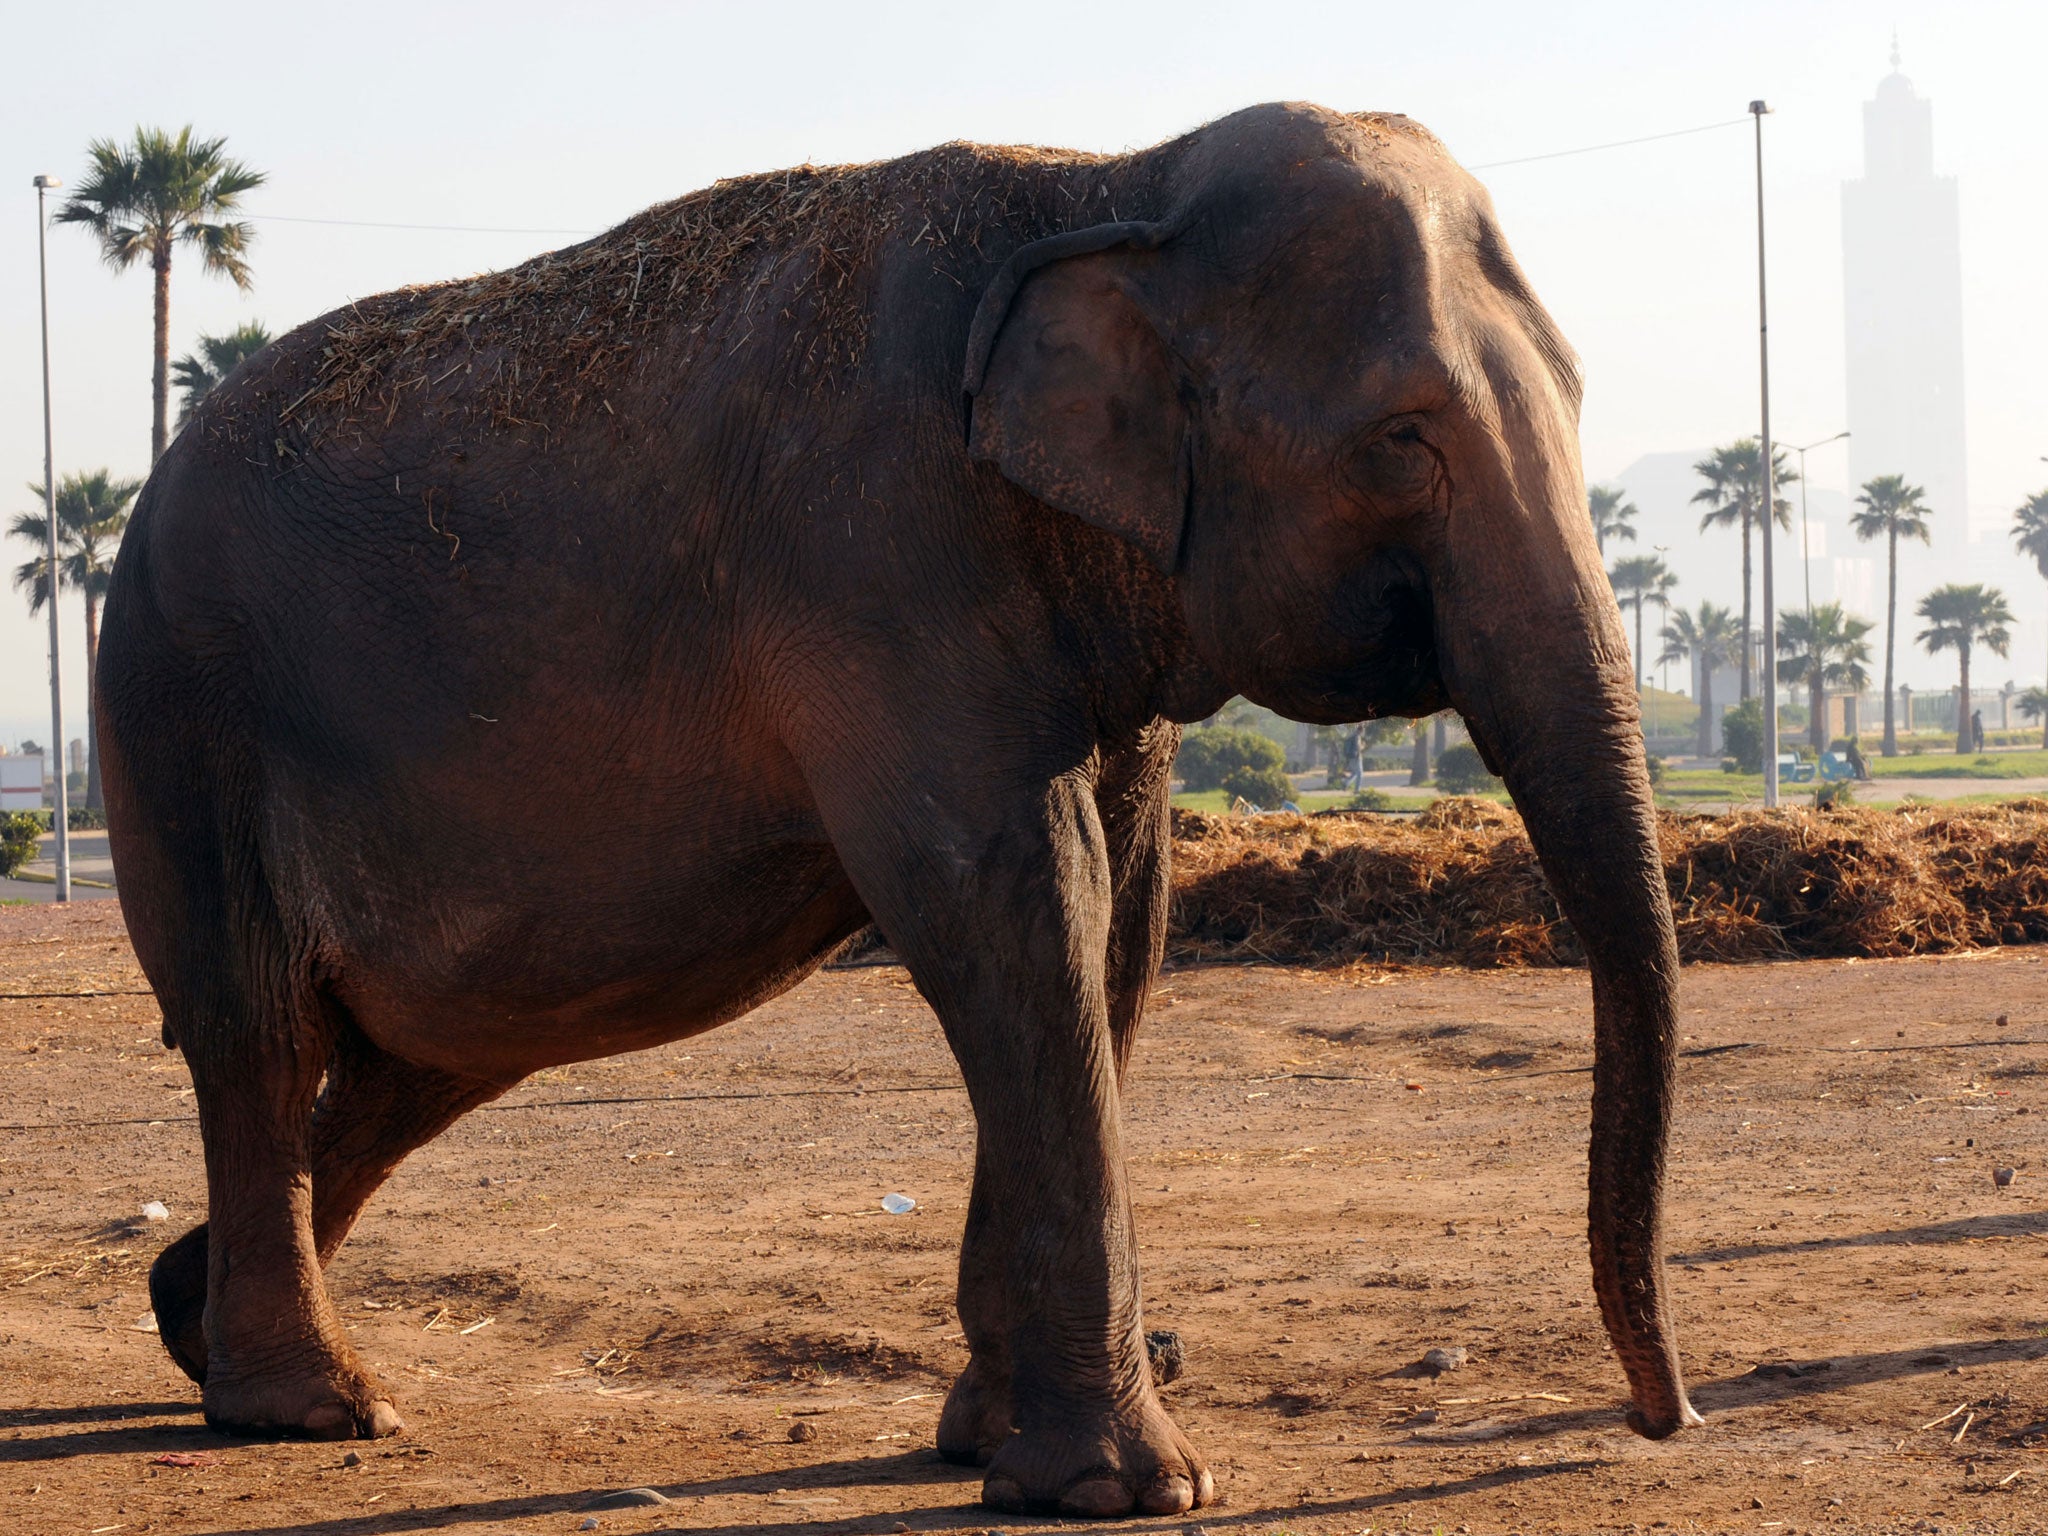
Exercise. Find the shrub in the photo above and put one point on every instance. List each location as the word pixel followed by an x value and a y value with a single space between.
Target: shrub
pixel 18 833
pixel 1462 771
pixel 1209 754
pixel 1831 797
pixel 85 818
pixel 1656 766
pixel 1265 787
pixel 1742 733
pixel 1369 800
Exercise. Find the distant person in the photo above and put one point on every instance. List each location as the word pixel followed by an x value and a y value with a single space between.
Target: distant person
pixel 1977 728
pixel 1857 766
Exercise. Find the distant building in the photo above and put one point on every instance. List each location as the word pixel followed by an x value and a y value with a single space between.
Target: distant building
pixel 21 781
pixel 1903 311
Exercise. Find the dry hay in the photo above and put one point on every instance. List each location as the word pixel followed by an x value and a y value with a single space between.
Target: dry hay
pixel 1460 885
pixel 752 252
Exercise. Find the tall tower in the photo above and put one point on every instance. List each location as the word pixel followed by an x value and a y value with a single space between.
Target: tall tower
pixel 1903 301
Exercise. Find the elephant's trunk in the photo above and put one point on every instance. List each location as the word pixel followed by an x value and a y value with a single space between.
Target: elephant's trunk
pixel 1535 659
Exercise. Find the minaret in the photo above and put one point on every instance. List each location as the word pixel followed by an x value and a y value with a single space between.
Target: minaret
pixel 1903 303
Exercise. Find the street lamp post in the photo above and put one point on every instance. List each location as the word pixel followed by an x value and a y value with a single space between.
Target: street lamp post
pixel 1757 110
pixel 1662 550
pixel 1805 545
pixel 60 815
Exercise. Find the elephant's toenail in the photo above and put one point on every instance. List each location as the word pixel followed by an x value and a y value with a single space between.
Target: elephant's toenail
pixel 1205 1488
pixel 1098 1498
pixel 1004 1493
pixel 384 1421
pixel 1170 1495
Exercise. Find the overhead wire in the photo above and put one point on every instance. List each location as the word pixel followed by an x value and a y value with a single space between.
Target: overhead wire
pixel 1590 149
pixel 500 229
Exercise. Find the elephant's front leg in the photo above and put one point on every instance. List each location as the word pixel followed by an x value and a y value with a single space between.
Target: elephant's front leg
pixel 1006 930
pixel 1132 791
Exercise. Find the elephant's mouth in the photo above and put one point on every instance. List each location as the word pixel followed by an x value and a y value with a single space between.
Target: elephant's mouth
pixel 1385 662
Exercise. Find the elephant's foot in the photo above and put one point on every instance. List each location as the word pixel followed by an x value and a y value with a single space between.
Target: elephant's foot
pixel 976 1421
pixel 1133 1462
pixel 177 1295
pixel 339 1401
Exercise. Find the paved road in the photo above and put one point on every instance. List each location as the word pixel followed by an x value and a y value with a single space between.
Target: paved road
pixel 89 861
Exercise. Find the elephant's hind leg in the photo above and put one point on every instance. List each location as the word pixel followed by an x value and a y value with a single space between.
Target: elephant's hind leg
pixel 374 1109
pixel 277 1358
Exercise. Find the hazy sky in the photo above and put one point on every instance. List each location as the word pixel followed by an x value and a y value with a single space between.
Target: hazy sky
pixel 556 117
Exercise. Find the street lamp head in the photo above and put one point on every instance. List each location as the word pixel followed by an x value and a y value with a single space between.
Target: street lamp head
pixel 47 182
pixel 1758 108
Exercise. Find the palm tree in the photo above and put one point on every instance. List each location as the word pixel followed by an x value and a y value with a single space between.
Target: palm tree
pixel 2034 705
pixel 142 200
pixel 2030 533
pixel 1959 618
pixel 218 356
pixel 1733 495
pixel 1709 640
pixel 1894 510
pixel 1824 648
pixel 1614 515
pixel 1638 580
pixel 92 514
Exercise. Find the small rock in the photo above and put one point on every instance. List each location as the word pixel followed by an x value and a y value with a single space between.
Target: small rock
pixel 1438 1361
pixel 626 1498
pixel 1169 1359
pixel 588 1525
pixel 901 1527
pixel 2003 1020
pixel 155 1210
pixel 803 1430
pixel 2003 1177
pixel 352 1459
pixel 1756 1503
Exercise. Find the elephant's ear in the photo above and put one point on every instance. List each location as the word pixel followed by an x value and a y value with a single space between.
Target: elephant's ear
pixel 1074 395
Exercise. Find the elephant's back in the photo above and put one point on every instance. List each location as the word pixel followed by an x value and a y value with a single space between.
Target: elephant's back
pixel 779 270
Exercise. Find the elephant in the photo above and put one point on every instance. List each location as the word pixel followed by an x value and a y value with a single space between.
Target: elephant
pixel 837 546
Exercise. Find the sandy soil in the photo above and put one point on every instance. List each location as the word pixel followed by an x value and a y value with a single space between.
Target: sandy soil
pixel 594 1287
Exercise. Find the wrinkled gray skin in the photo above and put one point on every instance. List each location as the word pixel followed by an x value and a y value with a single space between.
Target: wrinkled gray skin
pixel 1267 410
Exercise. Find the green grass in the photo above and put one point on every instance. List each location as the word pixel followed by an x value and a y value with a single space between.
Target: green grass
pixel 1710 784
pixel 1948 765
pixel 1216 802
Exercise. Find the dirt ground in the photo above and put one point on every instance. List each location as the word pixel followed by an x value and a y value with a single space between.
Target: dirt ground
pixel 655 1271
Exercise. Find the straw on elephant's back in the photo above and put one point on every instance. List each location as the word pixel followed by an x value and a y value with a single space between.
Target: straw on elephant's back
pixel 550 334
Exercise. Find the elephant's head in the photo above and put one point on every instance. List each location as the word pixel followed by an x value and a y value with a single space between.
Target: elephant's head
pixel 1320 395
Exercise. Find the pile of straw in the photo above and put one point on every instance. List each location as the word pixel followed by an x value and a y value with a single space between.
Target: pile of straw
pixel 1460 885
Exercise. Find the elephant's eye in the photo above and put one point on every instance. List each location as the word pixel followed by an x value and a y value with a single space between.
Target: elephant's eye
pixel 1394 467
